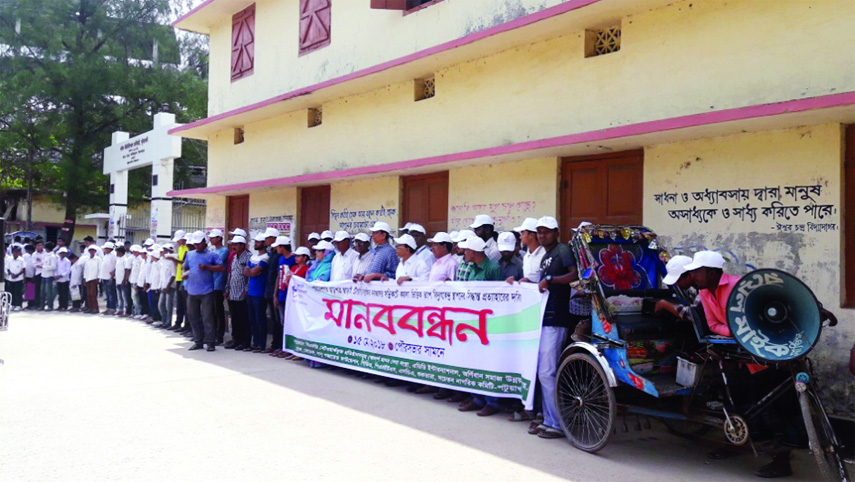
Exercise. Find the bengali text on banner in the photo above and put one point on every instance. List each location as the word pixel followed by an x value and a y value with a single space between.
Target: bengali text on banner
pixel 477 337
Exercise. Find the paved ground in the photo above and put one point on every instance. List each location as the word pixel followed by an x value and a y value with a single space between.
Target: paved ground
pixel 95 398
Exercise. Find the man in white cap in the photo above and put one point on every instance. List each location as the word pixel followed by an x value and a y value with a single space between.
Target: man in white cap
pixel 256 270
pixel 107 277
pixel 91 270
pixel 485 229
pixel 510 262
pixel 676 275
pixel 222 252
pixel 49 277
pixel 122 259
pixel 385 261
pixel 345 258
pixel 558 270
pixel 364 255
pixel 167 286
pixel 239 232
pixel 533 250
pixel 405 229
pixel 327 235
pixel 236 293
pixel 282 245
pixel 314 238
pixel 445 266
pixel 63 277
pixel 154 284
pixel 200 292
pixel 410 267
pixel 419 233
pixel 135 262
pixel 180 294
pixel 714 287
pixel 270 235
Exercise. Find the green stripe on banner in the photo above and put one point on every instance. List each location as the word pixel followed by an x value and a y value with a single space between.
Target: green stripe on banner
pixel 417 370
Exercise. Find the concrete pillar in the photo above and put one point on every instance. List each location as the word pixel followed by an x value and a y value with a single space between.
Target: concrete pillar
pixel 118 195
pixel 161 203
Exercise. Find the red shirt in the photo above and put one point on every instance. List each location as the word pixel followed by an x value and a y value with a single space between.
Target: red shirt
pixel 300 270
pixel 715 304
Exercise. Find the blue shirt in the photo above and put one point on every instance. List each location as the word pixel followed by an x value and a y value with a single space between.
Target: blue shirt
pixel 385 261
pixel 285 265
pixel 258 283
pixel 220 276
pixel 196 281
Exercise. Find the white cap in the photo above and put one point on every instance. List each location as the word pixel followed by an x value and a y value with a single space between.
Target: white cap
pixel 547 222
pixel 481 220
pixel 327 234
pixel 417 227
pixel 238 232
pixel 281 241
pixel 148 242
pixel 463 235
pixel 179 235
pixel 474 243
pixel 314 236
pixel 197 237
pixel 136 248
pixel 507 241
pixel 454 235
pixel 441 237
pixel 238 239
pixel 705 259
pixel 406 227
pixel 168 246
pixel 271 233
pixel 341 236
pixel 215 233
pixel 302 251
pixel 260 237
pixel 529 224
pixel 676 267
pixel 187 237
pixel 155 252
pixel 198 231
pixel 407 240
pixel 60 250
pixel 381 226
pixel 92 247
pixel 323 244
pixel 108 245
pixel 362 237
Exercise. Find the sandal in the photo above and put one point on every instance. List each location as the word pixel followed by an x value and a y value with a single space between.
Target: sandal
pixel 550 432
pixel 521 416
pixel 535 428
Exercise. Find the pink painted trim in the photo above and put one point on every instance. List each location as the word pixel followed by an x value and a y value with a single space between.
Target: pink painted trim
pixel 694 120
pixel 505 27
pixel 192 12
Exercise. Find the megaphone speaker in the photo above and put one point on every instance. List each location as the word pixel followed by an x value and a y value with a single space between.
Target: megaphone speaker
pixel 773 315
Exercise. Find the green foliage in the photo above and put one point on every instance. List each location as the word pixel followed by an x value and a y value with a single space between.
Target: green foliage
pixel 74 71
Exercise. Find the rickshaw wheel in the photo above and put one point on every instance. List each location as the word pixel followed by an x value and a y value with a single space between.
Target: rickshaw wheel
pixel 823 443
pixel 585 402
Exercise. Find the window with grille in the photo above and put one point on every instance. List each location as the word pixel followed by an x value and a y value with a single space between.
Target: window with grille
pixel 316 116
pixel 425 88
pixel 602 41
pixel 243 43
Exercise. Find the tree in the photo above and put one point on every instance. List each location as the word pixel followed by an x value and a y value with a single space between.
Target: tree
pixel 74 71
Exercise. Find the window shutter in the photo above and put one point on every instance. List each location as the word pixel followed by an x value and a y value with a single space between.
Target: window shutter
pixel 314 24
pixel 243 43
pixel 389 4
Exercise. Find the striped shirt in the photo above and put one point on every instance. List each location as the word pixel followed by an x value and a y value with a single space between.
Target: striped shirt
pixel 238 282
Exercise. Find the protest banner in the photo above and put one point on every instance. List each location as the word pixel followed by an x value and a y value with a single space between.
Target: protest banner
pixel 477 337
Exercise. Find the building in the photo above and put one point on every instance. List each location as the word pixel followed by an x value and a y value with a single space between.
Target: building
pixel 47 216
pixel 719 124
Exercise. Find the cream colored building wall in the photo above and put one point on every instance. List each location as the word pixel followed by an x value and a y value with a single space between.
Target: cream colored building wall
pixel 47 211
pixel 743 171
pixel 508 192
pixel 273 202
pixel 215 212
pixel 674 61
pixel 356 205
pixel 360 39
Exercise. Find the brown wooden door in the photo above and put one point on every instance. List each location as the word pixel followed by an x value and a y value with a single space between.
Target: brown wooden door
pixel 605 189
pixel 237 212
pixel 425 201
pixel 314 211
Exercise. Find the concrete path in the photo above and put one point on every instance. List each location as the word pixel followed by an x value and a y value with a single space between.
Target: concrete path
pixel 94 398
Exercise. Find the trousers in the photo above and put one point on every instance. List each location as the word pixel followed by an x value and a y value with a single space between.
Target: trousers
pixel 200 314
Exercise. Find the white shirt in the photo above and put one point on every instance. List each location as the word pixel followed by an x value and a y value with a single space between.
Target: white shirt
pixel 143 274
pixel 492 250
pixel 167 272
pixel 38 261
pixel 343 265
pixel 413 268
pixel 91 268
pixel 121 262
pixel 531 264
pixel 136 262
pixel 77 272
pixel 108 266
pixel 153 278
pixel 49 265
pixel 426 255
pixel 13 265
pixel 30 265
pixel 361 264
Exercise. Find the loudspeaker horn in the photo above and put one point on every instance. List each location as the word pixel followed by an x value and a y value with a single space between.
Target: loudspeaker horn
pixel 774 315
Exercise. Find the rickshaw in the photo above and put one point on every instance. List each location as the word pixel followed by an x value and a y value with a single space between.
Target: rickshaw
pixel 634 362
